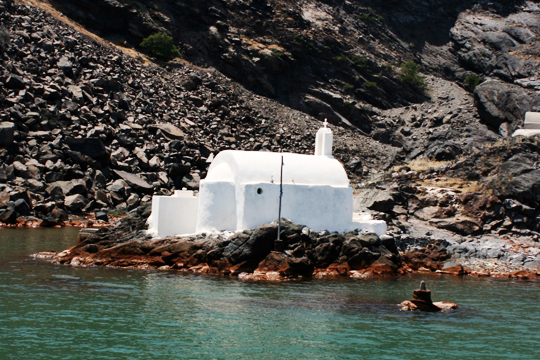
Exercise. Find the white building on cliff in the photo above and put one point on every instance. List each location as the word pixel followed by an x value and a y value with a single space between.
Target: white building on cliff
pixel 241 191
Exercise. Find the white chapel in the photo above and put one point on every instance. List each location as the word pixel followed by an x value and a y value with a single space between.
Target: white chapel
pixel 242 188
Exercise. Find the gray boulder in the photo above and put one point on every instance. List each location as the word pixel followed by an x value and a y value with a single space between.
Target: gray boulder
pixel 500 102
pixel 75 202
pixel 373 199
pixel 133 180
pixel 525 187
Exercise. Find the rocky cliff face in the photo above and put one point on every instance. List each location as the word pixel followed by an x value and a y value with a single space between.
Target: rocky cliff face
pixel 318 56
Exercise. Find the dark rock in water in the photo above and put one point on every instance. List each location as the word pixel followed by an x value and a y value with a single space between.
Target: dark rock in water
pixel 422 295
pixel 8 216
pixel 285 265
pixel 422 301
pixel 255 248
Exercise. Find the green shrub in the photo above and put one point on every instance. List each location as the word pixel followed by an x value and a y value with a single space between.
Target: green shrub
pixel 352 59
pixel 161 45
pixel 366 17
pixel 370 84
pixel 409 75
pixel 388 68
pixel 276 54
pixel 471 81
pixel 347 87
pixel 359 61
pixel 342 59
pixel 117 212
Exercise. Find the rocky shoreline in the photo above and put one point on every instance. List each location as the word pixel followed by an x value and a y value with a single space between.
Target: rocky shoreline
pixel 249 255
pixel 87 131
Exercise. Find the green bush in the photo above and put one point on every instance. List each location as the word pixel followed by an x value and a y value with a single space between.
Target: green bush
pixel 409 75
pixel 161 45
pixel 471 81
pixel 342 59
pixel 276 54
pixel 366 17
pixel 352 59
pixel 388 68
pixel 370 84
pixel 347 87
pixel 359 61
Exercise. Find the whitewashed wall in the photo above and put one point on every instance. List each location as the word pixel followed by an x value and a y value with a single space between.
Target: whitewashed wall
pixel 173 215
pixel 217 206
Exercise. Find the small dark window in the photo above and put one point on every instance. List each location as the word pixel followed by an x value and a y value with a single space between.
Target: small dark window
pixel 259 191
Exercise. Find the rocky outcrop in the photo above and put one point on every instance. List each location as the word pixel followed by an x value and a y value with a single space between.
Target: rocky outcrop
pixel 502 103
pixel 248 254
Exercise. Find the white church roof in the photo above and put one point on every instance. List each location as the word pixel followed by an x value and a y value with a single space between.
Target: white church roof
pixel 259 166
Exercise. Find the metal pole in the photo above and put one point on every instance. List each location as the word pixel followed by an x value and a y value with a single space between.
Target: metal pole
pixel 278 246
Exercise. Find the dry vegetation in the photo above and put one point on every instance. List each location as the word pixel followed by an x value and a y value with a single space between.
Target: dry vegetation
pixel 463 186
pixel 421 164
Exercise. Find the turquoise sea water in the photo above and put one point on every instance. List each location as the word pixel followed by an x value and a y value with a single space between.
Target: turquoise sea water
pixel 56 312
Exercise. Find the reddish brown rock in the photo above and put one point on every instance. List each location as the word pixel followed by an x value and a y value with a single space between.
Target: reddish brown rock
pixel 452 268
pixel 285 265
pixel 383 267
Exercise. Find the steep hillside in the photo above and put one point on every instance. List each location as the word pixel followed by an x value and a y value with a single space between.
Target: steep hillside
pixel 298 51
pixel 87 127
